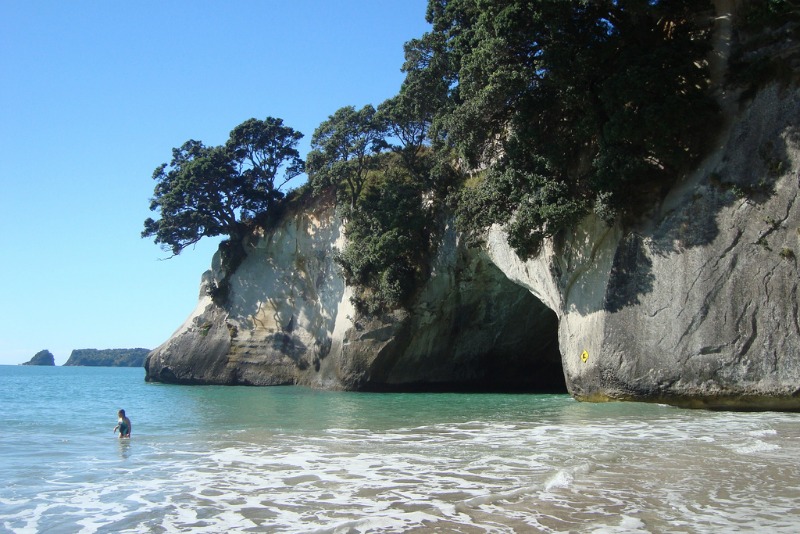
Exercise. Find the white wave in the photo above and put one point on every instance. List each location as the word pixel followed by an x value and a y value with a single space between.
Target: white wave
pixel 584 468
pixel 562 479
pixel 763 432
pixel 627 524
pixel 755 446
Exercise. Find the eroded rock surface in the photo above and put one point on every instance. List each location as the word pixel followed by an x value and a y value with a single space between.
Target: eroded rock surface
pixel 697 304
pixel 289 320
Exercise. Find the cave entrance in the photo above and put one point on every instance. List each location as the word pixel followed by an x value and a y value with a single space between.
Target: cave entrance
pixel 506 340
pixel 489 335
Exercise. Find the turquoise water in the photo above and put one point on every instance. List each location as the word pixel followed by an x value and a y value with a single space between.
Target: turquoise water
pixel 237 459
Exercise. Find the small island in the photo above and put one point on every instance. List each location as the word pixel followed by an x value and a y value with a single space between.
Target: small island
pixel 43 357
pixel 108 357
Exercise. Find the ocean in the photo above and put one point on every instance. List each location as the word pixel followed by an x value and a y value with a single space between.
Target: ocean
pixel 290 459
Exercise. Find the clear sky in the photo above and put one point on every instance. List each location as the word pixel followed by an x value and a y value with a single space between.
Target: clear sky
pixel 95 94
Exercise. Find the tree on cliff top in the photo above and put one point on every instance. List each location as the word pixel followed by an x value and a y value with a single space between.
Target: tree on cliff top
pixel 612 95
pixel 208 191
pixel 342 149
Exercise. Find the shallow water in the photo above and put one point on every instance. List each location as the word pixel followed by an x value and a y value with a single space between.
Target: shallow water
pixel 237 459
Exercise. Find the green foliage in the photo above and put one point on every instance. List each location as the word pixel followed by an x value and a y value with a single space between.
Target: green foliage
pixel 342 147
pixel 387 241
pixel 408 127
pixel 208 191
pixel 260 150
pixel 409 116
pixel 612 95
pixel 563 106
pixel 196 197
pixel 534 206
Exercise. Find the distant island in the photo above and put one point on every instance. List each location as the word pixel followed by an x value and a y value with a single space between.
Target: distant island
pixel 43 357
pixel 107 357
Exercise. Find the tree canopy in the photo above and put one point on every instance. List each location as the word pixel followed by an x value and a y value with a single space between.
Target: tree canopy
pixel 259 150
pixel 533 112
pixel 342 147
pixel 612 94
pixel 387 239
pixel 208 191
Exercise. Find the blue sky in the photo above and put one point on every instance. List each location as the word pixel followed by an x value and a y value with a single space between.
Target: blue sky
pixel 95 94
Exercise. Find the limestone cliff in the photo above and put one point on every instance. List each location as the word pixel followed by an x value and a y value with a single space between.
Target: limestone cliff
pixel 697 305
pixel 289 320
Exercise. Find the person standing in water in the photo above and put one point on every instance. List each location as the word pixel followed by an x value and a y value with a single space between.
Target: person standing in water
pixel 123 425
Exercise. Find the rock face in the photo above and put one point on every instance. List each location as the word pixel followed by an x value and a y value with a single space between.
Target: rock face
pixel 43 357
pixel 470 328
pixel 289 320
pixel 107 357
pixel 694 306
pixel 697 305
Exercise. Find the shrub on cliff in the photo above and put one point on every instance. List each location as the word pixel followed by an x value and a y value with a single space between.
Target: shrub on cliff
pixel 387 240
pixel 533 205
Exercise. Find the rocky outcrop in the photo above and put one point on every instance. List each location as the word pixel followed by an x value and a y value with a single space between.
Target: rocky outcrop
pixel 289 320
pixel 697 304
pixel 469 328
pixel 107 357
pixel 283 304
pixel 693 305
pixel 43 357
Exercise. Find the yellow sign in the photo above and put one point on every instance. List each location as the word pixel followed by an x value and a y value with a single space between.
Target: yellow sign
pixel 584 356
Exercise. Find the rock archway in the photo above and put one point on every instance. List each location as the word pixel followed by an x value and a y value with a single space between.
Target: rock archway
pixel 472 329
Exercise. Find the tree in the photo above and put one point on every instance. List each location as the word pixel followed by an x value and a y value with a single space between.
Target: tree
pixel 557 76
pixel 409 115
pixel 197 196
pixel 408 127
pixel 387 241
pixel 259 150
pixel 342 148
pixel 208 191
pixel 612 94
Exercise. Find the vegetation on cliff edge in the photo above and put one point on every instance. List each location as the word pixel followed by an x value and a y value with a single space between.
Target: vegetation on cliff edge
pixel 210 191
pixel 525 113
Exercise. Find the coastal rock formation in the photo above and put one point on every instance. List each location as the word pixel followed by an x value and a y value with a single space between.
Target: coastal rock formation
pixel 695 305
pixel 43 357
pixel 107 357
pixel 289 320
